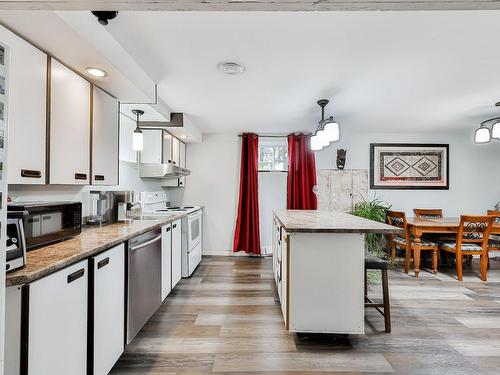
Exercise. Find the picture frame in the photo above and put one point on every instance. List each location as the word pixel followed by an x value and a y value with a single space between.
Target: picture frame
pixel 409 166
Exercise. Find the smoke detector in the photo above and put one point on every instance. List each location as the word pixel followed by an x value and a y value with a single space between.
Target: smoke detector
pixel 231 68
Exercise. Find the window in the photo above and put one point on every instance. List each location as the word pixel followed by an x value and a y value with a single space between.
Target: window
pixel 273 154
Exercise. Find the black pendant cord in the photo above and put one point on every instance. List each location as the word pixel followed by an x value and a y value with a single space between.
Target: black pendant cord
pixel 486 122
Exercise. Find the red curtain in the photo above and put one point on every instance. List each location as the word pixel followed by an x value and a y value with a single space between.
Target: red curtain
pixel 246 235
pixel 301 174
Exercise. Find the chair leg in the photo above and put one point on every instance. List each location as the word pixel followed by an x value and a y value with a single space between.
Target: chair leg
pixel 366 284
pixel 435 260
pixel 387 305
pixel 458 262
pixel 484 267
pixel 468 260
pixel 393 251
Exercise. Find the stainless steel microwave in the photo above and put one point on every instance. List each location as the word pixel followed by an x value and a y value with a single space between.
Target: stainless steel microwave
pixel 49 222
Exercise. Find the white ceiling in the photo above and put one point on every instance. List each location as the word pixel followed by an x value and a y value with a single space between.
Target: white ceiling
pixel 384 71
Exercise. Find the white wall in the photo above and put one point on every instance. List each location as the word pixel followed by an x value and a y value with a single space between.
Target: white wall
pixel 214 183
pixel 474 182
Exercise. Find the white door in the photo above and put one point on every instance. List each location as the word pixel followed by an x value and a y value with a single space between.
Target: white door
pixel 27 110
pixel 105 111
pixel 57 333
pixel 166 260
pixel 109 308
pixel 151 152
pixel 69 127
pixel 167 148
pixel 176 252
pixel 175 151
pixel 182 162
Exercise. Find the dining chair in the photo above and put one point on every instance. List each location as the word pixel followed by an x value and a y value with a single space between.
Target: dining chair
pixel 472 239
pixel 428 213
pixel 494 243
pixel 406 243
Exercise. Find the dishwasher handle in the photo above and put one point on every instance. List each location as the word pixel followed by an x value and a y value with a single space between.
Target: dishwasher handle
pixel 157 238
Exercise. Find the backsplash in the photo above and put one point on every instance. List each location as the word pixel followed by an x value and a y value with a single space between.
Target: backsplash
pixel 129 180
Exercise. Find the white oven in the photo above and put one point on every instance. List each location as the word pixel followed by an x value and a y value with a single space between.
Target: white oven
pixel 194 229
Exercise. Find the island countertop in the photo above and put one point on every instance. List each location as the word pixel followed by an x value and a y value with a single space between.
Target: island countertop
pixel 314 221
pixel 49 259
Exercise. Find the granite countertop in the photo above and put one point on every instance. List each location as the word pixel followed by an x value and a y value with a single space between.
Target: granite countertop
pixel 48 259
pixel 312 221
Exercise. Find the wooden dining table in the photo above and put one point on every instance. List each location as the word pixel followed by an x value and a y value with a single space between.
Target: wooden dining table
pixel 447 225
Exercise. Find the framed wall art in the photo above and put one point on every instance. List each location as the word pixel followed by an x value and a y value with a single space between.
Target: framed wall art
pixel 409 166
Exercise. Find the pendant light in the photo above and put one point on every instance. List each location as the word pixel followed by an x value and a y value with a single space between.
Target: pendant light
pixel 483 134
pixel 327 130
pixel 137 138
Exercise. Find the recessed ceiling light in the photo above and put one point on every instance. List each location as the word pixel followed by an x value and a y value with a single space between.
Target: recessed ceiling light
pixel 231 68
pixel 96 72
pixel 183 136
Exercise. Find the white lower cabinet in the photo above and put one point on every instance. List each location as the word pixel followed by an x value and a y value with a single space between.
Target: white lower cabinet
pixel 108 276
pixel 176 252
pixel 166 260
pixel 57 329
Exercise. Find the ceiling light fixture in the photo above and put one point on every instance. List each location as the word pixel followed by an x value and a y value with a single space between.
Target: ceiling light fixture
pixel 137 138
pixel 231 68
pixel 183 136
pixel 96 72
pixel 483 134
pixel 327 131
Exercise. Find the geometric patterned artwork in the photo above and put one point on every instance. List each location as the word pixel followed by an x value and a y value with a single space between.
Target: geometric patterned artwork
pixel 409 166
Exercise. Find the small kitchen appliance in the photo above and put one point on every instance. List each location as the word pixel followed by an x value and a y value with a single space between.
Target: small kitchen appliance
pixel 48 222
pixel 156 204
pixel 104 206
pixel 16 243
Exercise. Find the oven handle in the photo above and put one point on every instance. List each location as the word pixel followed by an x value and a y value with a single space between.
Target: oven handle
pixel 157 238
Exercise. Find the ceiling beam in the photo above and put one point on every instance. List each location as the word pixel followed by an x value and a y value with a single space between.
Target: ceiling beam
pixel 249 5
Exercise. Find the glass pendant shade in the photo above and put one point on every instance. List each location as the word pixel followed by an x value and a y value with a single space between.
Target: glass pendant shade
pixel 332 131
pixel 482 135
pixel 495 130
pixel 137 140
pixel 323 137
pixel 316 144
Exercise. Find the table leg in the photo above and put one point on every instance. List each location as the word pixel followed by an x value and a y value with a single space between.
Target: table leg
pixel 435 260
pixel 416 254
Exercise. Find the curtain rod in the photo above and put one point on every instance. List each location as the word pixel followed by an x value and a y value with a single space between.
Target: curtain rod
pixel 267 136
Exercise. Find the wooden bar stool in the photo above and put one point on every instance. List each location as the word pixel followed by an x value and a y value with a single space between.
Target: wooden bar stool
pixel 374 263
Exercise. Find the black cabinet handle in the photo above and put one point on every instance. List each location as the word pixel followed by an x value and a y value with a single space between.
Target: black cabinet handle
pixel 80 176
pixel 180 182
pixel 174 162
pixel 31 173
pixel 168 229
pixel 76 275
pixel 99 177
pixel 103 263
pixel 169 161
pixel 174 226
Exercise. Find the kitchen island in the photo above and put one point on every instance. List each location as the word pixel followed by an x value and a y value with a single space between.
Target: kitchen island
pixel 318 263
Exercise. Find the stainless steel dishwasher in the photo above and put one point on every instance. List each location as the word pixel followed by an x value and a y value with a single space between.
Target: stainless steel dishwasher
pixel 144 280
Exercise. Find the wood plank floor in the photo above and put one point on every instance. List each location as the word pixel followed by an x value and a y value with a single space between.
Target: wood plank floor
pixel 226 319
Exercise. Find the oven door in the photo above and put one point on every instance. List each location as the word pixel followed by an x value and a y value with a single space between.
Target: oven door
pixel 194 230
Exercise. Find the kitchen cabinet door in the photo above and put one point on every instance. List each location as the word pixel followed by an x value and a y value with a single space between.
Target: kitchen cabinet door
pixel 176 252
pixel 105 135
pixel 108 273
pixel 69 127
pixel 166 260
pixel 167 148
pixel 182 162
pixel 57 329
pixel 27 110
pixel 284 275
pixel 152 150
pixel 175 151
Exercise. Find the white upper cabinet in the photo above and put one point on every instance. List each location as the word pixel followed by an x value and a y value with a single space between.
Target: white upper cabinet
pixel 182 162
pixel 175 151
pixel 167 148
pixel 152 150
pixel 27 111
pixel 69 127
pixel 105 137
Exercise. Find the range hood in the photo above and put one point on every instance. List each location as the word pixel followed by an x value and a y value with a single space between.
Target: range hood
pixel 163 171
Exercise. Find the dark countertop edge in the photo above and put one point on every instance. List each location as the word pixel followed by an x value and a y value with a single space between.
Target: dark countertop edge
pixel 396 230
pixel 66 262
